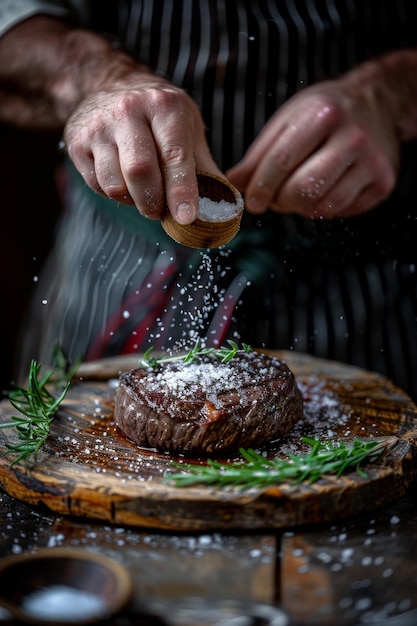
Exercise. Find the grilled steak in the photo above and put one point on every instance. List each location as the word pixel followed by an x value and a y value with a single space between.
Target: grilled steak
pixel 209 406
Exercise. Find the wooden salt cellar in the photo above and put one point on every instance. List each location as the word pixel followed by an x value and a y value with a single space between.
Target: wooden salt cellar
pixel 202 233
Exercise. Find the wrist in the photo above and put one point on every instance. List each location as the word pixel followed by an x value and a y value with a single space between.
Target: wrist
pixel 47 67
pixel 399 71
pixel 90 64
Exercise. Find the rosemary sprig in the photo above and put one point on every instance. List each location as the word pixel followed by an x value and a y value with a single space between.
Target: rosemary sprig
pixel 224 354
pixel 63 370
pixel 258 472
pixel 37 406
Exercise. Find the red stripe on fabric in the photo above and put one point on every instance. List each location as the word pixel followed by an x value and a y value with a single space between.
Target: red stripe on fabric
pixel 152 306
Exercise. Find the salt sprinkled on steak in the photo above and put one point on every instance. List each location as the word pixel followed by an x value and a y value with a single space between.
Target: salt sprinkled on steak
pixel 213 379
pixel 208 406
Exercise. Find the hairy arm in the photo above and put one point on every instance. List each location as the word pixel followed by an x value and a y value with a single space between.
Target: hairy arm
pixel 133 136
pixel 47 68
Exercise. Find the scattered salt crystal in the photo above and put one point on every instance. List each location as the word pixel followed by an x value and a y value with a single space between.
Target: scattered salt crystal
pixel 345 603
pixel 205 540
pixel 325 557
pixel 55 540
pixel 255 553
pixel 347 553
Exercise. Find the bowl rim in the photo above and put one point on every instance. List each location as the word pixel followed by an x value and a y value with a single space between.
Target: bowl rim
pixel 205 234
pixel 122 576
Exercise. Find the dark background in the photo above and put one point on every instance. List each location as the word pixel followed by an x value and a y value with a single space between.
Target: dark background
pixel 29 207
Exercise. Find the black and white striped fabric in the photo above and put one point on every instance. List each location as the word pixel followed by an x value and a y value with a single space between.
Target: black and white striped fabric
pixel 345 289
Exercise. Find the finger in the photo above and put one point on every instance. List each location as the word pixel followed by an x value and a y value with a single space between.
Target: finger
pixel 273 161
pixel 84 163
pixel 172 125
pixel 109 175
pixel 321 196
pixel 140 169
pixel 359 188
pixel 370 197
pixel 340 198
pixel 308 186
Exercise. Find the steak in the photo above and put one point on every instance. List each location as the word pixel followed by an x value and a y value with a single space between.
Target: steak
pixel 208 406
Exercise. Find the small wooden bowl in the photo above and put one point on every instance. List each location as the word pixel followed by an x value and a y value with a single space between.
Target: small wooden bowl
pixel 29 581
pixel 207 232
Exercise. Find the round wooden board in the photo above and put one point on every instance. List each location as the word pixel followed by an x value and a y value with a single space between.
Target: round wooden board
pixel 87 468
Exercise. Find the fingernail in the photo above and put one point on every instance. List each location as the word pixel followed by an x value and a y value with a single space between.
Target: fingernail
pixel 185 213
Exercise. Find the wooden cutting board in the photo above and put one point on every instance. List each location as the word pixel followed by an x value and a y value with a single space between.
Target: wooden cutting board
pixel 87 468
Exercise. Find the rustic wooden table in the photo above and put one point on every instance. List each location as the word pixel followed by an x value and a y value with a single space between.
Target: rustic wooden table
pixel 355 570
pixel 360 571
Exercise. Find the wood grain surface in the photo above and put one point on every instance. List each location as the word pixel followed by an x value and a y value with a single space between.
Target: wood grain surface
pixel 88 468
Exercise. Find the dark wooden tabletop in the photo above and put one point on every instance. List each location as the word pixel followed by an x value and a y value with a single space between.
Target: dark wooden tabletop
pixel 359 571
pixel 351 572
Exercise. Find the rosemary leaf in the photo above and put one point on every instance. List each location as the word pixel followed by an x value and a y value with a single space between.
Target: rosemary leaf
pixel 37 407
pixel 223 354
pixel 255 471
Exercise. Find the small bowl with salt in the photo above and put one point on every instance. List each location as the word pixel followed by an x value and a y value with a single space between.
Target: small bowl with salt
pixel 219 217
pixel 63 586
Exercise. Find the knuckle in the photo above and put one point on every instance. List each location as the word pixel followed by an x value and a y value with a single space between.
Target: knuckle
pixel 174 154
pixel 124 105
pixel 328 112
pixel 115 192
pixel 138 169
pixel 76 145
pixel 165 98
pixel 357 141
pixel 94 129
pixel 282 158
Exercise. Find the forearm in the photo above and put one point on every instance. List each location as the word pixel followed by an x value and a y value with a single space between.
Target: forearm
pixel 400 72
pixel 48 67
pixel 388 86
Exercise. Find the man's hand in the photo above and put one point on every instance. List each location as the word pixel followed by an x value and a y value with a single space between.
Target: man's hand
pixel 133 136
pixel 140 142
pixel 333 150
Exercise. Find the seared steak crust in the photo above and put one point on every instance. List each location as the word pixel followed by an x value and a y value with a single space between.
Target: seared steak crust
pixel 208 406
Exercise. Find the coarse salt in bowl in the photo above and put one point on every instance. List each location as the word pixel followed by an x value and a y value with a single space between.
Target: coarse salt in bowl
pixel 220 213
pixel 65 586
